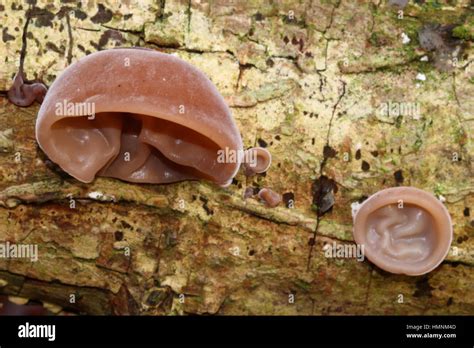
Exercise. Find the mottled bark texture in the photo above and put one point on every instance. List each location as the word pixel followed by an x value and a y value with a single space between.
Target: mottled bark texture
pixel 307 80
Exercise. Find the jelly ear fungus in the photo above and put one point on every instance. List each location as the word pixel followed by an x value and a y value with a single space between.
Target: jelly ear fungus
pixel 404 230
pixel 156 119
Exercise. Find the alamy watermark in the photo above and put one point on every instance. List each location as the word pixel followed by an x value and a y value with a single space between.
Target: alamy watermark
pixel 19 251
pixel 344 251
pixel 227 155
pixel 66 108
pixel 395 109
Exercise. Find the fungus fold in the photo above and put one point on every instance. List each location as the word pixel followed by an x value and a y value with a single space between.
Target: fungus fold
pixel 155 119
pixel 404 230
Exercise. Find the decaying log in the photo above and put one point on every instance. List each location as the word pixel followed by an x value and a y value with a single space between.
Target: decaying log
pixel 308 80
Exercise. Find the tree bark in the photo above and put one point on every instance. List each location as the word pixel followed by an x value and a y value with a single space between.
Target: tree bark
pixel 307 80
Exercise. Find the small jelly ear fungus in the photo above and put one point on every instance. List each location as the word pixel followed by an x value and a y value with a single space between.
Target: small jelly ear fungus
pixel 24 94
pixel 271 198
pixel 256 160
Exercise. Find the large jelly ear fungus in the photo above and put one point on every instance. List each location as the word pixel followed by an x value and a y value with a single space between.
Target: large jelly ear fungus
pixel 404 230
pixel 140 116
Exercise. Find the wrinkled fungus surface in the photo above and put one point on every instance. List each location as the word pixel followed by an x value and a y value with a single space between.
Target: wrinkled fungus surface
pixel 404 230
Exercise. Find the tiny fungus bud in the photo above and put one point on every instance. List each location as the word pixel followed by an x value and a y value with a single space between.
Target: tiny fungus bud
pixel 258 160
pixel 271 198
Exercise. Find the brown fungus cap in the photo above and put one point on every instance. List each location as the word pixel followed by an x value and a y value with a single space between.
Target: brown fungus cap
pixel 157 119
pixel 404 230
pixel 270 197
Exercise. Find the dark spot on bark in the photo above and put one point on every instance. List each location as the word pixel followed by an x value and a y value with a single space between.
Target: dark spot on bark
pixel 258 16
pixel 294 41
pixel 423 288
pixel 2 8
pixel 157 297
pixel 125 224
pixel 277 137
pixel 466 212
pixel 80 14
pixel 251 252
pixel 51 46
pixel 31 2
pixel 308 54
pixel 311 242
pixel 118 235
pixel 106 36
pixel 289 199
pixel 208 210
pixel 362 198
pixel 439 40
pixel 102 16
pixel 270 62
pixel 262 142
pixel 5 36
pixel 365 166
pixel 313 141
pixel 398 175
pixel 286 40
pixel 374 153
pixel 43 18
pixel 128 16
pixel 323 189
pixel 472 223
pixel 357 155
pixel 450 301
pixel 329 152
pixel 301 43
pixel 460 240
pixel 81 48
pixel 52 166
